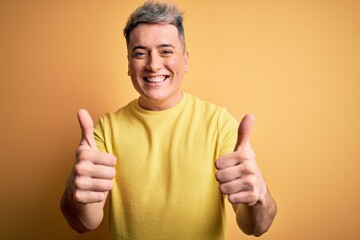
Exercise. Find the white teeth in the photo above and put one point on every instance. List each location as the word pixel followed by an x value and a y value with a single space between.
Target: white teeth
pixel 155 79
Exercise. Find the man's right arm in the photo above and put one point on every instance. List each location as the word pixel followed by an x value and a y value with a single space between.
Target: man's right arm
pixel 89 182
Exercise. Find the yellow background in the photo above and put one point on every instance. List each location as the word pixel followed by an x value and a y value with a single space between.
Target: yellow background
pixel 294 64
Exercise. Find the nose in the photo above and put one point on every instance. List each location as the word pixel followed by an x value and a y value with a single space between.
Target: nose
pixel 153 63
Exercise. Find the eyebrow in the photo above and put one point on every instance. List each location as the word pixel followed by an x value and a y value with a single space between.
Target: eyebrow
pixel 159 46
pixel 165 46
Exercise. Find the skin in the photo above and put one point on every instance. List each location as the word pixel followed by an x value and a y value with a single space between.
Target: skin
pixel 240 178
pixel 156 65
pixel 155 52
pixel 89 182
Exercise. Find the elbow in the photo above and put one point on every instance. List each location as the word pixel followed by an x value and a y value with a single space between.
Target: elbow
pixel 79 229
pixel 260 231
pixel 256 231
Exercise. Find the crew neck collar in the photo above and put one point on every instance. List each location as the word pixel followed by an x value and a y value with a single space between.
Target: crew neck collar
pixel 179 105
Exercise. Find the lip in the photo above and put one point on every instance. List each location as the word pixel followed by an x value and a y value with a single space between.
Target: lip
pixel 155 79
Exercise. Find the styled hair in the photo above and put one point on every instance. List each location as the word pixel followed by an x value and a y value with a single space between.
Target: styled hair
pixel 156 12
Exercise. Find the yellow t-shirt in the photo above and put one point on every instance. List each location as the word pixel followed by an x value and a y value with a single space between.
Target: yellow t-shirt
pixel 165 186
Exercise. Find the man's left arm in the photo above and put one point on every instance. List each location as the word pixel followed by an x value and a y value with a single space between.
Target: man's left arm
pixel 240 178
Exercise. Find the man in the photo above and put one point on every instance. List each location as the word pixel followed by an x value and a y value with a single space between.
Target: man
pixel 167 158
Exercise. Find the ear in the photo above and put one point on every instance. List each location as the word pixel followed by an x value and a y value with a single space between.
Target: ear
pixel 186 61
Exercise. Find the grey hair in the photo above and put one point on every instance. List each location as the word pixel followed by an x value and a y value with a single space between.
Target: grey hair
pixel 156 12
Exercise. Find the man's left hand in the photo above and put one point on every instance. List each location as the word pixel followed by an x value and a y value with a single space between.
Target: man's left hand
pixel 238 174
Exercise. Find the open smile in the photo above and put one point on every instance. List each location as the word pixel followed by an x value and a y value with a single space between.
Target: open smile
pixel 156 79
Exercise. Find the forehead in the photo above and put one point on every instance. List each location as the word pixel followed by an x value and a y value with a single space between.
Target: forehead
pixel 154 34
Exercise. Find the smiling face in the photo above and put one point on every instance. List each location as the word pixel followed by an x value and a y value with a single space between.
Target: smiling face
pixel 157 64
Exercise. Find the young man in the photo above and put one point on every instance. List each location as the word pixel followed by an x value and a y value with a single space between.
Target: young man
pixel 167 158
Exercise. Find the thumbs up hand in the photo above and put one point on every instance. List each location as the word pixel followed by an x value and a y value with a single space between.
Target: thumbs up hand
pixel 93 170
pixel 87 129
pixel 238 174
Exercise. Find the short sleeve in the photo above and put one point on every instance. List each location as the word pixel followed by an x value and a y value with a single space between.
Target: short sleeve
pixel 99 135
pixel 227 127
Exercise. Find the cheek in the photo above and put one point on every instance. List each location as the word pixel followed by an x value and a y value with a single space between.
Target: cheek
pixel 176 66
pixel 134 68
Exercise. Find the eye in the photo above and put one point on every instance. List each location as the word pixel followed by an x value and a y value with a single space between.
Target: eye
pixel 139 54
pixel 166 52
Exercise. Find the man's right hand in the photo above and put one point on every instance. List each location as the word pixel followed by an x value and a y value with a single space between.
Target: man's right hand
pixel 90 181
pixel 94 170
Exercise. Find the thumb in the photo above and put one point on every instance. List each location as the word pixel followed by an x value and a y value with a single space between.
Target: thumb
pixel 87 129
pixel 244 131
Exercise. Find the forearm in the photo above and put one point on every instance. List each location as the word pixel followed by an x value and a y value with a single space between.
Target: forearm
pixel 256 219
pixel 81 217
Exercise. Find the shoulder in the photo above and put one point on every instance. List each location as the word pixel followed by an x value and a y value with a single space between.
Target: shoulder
pixel 114 117
pixel 204 107
pixel 194 101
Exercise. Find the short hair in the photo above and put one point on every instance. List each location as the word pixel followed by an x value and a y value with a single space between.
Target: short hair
pixel 156 12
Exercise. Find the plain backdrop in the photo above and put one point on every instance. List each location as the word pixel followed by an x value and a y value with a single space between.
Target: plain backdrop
pixel 295 65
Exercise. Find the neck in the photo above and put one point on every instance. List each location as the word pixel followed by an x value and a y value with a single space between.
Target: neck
pixel 159 105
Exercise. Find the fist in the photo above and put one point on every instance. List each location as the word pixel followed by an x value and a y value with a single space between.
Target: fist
pixel 93 171
pixel 238 173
